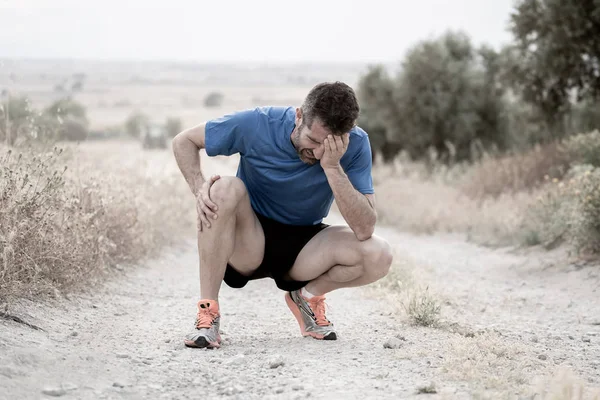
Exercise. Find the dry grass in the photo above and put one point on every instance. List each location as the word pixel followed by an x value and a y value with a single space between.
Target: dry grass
pixel 493 177
pixel 114 204
pixel 563 385
pixel 412 200
pixel 491 364
pixel 546 196
pixel 422 307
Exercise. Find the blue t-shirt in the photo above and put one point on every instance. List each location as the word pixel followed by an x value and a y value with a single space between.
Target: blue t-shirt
pixel 280 185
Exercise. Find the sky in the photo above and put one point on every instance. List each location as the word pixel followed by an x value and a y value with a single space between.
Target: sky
pixel 233 30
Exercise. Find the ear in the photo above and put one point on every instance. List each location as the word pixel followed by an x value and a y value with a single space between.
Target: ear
pixel 298 115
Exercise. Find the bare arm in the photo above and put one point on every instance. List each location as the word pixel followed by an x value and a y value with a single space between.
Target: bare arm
pixel 357 209
pixel 186 148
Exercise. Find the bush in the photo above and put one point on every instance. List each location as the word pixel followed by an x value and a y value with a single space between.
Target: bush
pixel 518 172
pixel 213 99
pixel 18 112
pixel 584 148
pixel 60 230
pixel 173 126
pixel 72 130
pixel 569 212
pixel 136 124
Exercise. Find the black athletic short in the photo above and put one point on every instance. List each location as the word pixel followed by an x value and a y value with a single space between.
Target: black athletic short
pixel 283 243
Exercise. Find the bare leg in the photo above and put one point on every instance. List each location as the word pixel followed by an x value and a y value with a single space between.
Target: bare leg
pixel 335 259
pixel 235 236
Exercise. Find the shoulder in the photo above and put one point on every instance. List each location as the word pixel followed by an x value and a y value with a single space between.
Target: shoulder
pixel 359 140
pixel 276 114
pixel 358 133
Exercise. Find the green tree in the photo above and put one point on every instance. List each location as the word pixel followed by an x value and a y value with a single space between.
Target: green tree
pixel 556 56
pixel 447 96
pixel 375 98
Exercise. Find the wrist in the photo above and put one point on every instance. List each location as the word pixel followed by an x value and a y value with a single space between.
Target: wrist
pixel 332 169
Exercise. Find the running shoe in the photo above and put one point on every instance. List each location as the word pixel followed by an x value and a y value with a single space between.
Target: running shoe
pixel 310 314
pixel 206 329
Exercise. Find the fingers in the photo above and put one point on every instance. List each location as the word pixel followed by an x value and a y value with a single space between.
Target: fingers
pixel 203 221
pixel 206 193
pixel 346 140
pixel 339 143
pixel 328 145
pixel 336 144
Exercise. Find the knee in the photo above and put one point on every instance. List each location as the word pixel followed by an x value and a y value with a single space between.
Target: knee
pixel 227 192
pixel 377 257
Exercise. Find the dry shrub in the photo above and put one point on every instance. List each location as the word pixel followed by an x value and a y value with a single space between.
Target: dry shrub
pixel 60 229
pixel 410 199
pixel 585 148
pixel 491 363
pixel 514 173
pixel 569 211
pixel 422 308
pixel 564 385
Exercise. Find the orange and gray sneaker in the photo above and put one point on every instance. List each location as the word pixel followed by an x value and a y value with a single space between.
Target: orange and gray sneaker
pixel 206 330
pixel 310 314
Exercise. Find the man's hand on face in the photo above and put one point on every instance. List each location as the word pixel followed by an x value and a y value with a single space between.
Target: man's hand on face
pixel 334 148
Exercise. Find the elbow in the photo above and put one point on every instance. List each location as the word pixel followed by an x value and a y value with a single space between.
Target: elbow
pixel 176 139
pixel 365 233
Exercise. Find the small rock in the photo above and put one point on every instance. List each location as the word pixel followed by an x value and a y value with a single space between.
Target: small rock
pixel 279 390
pixel 392 343
pixel 276 362
pixel 74 333
pixel 571 337
pixel 557 337
pixel 122 355
pixel 167 340
pixel 69 386
pixel 534 339
pixel 401 338
pixel 119 385
pixel 543 357
pixel 297 387
pixel 586 339
pixel 54 391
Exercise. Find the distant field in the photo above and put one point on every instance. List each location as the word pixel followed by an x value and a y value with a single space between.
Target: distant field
pixel 111 91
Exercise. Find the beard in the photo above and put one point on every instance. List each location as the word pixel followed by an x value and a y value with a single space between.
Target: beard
pixel 306 155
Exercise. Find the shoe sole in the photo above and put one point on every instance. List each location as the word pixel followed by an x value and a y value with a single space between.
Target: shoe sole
pixel 202 343
pixel 296 312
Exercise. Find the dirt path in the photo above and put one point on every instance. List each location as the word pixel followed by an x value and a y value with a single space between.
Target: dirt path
pixel 125 340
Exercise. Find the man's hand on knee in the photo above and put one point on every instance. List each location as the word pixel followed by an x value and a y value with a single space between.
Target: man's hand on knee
pixel 205 207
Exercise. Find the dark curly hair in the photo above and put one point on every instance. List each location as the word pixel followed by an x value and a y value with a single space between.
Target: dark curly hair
pixel 334 104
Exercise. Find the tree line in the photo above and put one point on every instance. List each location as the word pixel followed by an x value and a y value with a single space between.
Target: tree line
pixel 455 101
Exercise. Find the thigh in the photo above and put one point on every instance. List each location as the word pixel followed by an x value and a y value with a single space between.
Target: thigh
pixel 249 238
pixel 335 245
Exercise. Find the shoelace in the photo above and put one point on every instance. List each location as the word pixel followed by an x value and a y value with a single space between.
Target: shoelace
pixel 317 304
pixel 205 318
